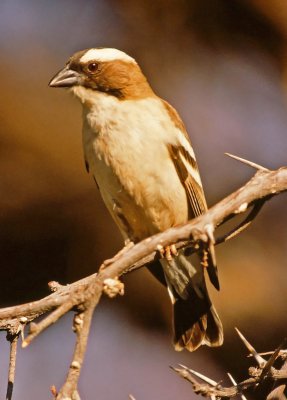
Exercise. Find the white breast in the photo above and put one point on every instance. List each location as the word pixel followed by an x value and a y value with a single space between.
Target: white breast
pixel 125 144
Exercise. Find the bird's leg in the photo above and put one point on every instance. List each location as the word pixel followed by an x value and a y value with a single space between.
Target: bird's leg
pixel 204 259
pixel 168 252
pixel 128 245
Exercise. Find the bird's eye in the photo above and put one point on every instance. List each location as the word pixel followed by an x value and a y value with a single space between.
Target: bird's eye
pixel 92 67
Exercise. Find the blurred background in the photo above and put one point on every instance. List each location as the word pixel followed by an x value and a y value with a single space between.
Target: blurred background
pixel 222 65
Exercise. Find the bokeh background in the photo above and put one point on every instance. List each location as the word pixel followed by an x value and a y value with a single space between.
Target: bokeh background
pixel 222 64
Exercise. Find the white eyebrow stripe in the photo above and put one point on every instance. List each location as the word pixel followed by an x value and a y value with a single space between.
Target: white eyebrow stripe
pixel 107 54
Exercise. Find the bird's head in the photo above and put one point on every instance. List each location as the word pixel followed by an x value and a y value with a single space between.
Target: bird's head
pixel 106 70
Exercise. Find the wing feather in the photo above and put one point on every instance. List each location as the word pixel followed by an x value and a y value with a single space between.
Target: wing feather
pixel 186 166
pixel 187 171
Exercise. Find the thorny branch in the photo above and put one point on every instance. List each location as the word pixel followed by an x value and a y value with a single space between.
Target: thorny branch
pixel 257 376
pixel 83 296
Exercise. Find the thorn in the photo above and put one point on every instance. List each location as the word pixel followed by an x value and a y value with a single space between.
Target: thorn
pixel 260 360
pixel 269 353
pixel 231 378
pixel 201 376
pixel 235 384
pixel 250 163
pixel 271 360
pixel 178 370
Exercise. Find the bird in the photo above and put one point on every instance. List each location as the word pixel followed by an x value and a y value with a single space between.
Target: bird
pixel 138 151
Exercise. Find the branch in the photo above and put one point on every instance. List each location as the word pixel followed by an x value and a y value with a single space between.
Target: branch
pixel 257 375
pixel 84 295
pixel 82 323
pixel 261 187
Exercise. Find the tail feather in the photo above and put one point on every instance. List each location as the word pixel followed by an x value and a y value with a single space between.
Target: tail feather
pixel 190 340
pixel 214 330
pixel 195 319
pixel 196 322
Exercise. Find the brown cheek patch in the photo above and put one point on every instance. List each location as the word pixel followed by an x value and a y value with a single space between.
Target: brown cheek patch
pixel 123 79
pixel 115 75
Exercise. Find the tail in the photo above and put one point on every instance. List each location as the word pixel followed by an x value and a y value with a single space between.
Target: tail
pixel 195 319
pixel 194 327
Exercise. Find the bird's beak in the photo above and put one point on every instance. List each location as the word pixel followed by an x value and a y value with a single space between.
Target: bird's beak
pixel 66 78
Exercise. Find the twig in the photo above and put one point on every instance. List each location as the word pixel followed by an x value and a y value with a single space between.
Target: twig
pixel 205 389
pixel 12 365
pixel 36 329
pixel 243 225
pixel 82 322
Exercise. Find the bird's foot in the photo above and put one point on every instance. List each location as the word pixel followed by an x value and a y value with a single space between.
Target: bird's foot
pixel 128 245
pixel 168 252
